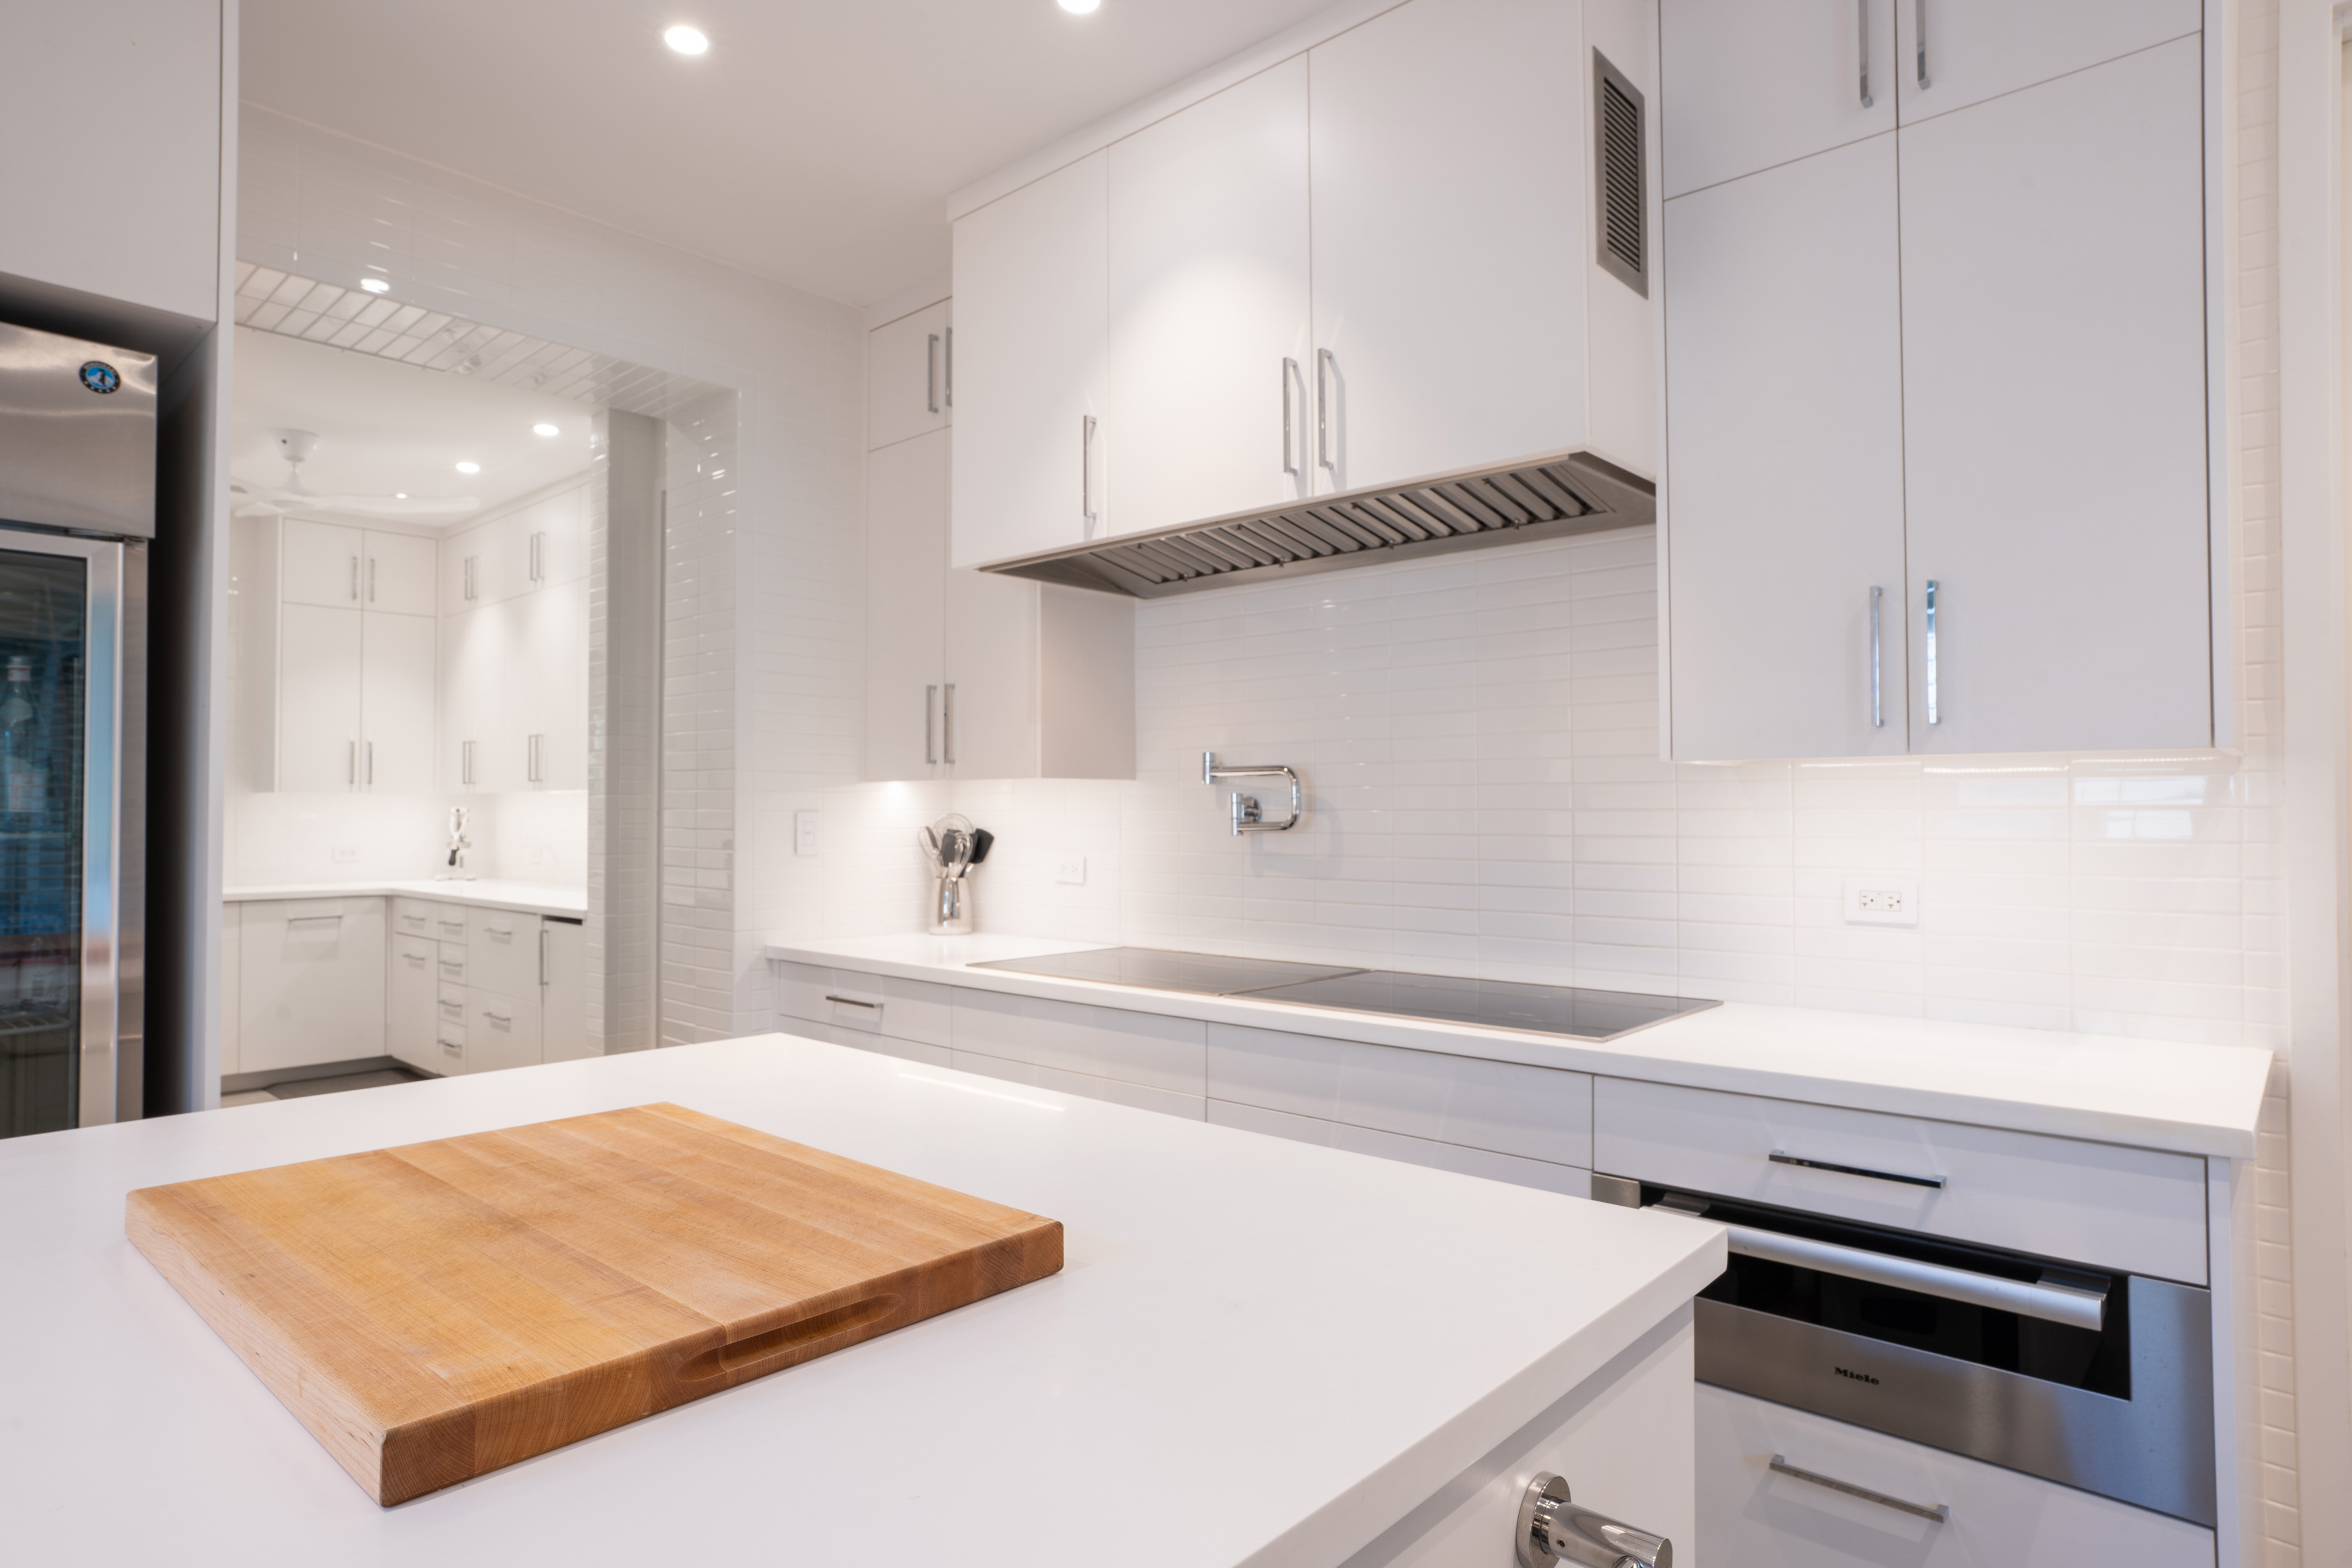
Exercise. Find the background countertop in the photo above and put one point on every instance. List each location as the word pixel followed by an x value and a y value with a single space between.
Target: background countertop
pixel 523 897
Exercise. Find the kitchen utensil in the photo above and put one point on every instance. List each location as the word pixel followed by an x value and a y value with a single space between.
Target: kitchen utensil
pixel 438 1310
pixel 982 839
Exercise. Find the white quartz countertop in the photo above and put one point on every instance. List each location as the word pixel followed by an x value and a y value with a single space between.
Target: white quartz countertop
pixel 1260 1352
pixel 523 897
pixel 2159 1094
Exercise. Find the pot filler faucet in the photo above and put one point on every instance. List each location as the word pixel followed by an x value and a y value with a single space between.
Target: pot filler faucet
pixel 1247 817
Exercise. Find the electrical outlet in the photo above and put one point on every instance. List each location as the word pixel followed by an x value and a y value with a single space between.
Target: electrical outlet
pixel 1071 869
pixel 346 853
pixel 804 833
pixel 1881 901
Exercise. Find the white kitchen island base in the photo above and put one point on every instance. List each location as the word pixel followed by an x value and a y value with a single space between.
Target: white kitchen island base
pixel 1260 1352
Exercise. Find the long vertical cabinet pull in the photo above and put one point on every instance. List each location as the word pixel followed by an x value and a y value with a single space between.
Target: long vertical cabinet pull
pixel 371 764
pixel 1877 714
pixel 355 580
pixel 1920 29
pixel 930 724
pixel 543 957
pixel 1323 366
pixel 370 597
pixel 1862 36
pixel 951 377
pixel 947 711
pixel 1085 479
pixel 1289 369
pixel 932 374
pixel 1935 714
pixel 464 762
pixel 352 763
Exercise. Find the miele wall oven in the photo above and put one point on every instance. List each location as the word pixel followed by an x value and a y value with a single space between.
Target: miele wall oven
pixel 2098 1380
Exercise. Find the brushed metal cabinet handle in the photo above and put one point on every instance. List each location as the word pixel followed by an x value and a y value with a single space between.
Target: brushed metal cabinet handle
pixel 950 376
pixel 1862 36
pixel 352 763
pixel 355 580
pixel 371 764
pixel 371 598
pixel 1778 1158
pixel 542 956
pixel 1877 714
pixel 1919 33
pixel 854 1002
pixel 931 375
pixel 930 724
pixel 1085 476
pixel 1941 1513
pixel 1289 369
pixel 947 725
pixel 1324 365
pixel 1935 709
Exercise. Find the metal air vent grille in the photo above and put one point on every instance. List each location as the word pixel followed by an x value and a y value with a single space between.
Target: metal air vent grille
pixel 1622 216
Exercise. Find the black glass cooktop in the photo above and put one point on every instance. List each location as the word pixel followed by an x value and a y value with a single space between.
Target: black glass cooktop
pixel 1575 1011
pixel 1206 974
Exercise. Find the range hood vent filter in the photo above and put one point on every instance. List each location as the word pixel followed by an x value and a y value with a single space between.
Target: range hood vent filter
pixel 1552 496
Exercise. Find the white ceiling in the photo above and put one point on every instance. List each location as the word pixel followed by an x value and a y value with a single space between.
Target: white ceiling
pixel 815 144
pixel 386 428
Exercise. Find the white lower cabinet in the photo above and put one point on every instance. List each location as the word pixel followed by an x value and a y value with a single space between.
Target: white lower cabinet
pixel 410 993
pixel 231 971
pixel 564 990
pixel 1751 1515
pixel 310 982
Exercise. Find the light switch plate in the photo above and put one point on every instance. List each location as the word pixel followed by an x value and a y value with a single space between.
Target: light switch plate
pixel 804 832
pixel 1071 869
pixel 345 854
pixel 1881 901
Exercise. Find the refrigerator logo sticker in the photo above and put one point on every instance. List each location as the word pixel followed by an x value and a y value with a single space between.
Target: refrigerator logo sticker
pixel 100 377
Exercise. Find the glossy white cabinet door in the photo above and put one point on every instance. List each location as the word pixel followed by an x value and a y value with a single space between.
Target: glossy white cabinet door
pixel 906 376
pixel 318 698
pixel 906 589
pixel 232 969
pixel 479 700
pixel 988 699
pixel 546 543
pixel 399 573
pixel 1450 237
pixel 1784 460
pixel 1210 361
pixel 1978 50
pixel 1752 1516
pixel 2054 342
pixel 501 1029
pixel 549 680
pixel 322 563
pixel 1030 286
pixel 312 982
pixel 461 566
pixel 397 660
pixel 563 992
pixel 1749 84
pixel 409 1003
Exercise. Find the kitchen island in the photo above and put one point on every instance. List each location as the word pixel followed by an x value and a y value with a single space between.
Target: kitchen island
pixel 1259 1352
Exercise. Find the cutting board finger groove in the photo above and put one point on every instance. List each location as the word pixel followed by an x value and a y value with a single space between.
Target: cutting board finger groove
pixel 437 1310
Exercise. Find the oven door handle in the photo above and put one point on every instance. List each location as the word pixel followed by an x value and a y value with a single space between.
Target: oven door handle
pixel 2053 1302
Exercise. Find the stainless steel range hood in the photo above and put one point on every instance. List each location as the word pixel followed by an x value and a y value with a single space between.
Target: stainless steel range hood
pixel 1550 496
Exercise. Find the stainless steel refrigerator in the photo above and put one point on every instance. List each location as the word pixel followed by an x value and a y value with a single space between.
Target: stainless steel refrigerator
pixel 77 511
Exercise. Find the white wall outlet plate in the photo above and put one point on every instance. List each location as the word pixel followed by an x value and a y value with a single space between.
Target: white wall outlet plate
pixel 804 833
pixel 1071 869
pixel 344 854
pixel 1881 901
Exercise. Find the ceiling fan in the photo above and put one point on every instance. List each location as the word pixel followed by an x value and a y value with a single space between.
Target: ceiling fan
pixel 295 447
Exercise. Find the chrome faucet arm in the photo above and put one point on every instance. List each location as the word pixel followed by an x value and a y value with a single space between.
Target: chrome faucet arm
pixel 1245 818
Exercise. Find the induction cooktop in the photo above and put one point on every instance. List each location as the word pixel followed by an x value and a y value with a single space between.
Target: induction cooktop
pixel 1575 1011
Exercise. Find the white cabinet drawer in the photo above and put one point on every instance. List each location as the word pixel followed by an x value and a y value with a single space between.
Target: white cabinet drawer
pixel 1572 1180
pixel 502 951
pixel 910 1009
pixel 1142 1049
pixel 2101 1204
pixel 1533 1112
pixel 449 962
pixel 414 918
pixel 1752 1516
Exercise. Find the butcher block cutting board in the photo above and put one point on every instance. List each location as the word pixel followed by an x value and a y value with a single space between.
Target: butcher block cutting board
pixel 435 1312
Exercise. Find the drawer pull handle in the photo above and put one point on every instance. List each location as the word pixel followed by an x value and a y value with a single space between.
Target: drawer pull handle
pixel 854 1002
pixel 1941 1513
pixel 314 920
pixel 1778 1158
pixel 2052 1302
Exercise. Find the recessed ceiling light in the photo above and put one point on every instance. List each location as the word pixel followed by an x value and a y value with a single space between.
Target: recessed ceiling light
pixel 1081 7
pixel 690 41
pixel 400 495
pixel 546 430
pixel 375 286
pixel 469 467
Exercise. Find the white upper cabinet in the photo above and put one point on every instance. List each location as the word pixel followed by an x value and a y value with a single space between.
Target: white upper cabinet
pixel 906 577
pixel 397 575
pixel 1754 85
pixel 1209 359
pixel 1449 223
pixel 317 710
pixel 2054 344
pixel 1784 375
pixel 1954 53
pixel 551 712
pixel 1031 456
pixel 907 388
pixel 324 563
pixel 396 739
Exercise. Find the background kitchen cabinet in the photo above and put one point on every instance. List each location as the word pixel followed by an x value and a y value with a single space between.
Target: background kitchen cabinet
pixel 907 388
pixel 397 574
pixel 310 982
pixel 2043 460
pixel 322 562
pixel 1784 358
pixel 1031 286
pixel 971 675
pixel 550 687
pixel 513 699
pixel 1754 85
pixel 533 546
pixel 396 739
pixel 563 1012
pixel 411 991
pixel 317 686
pixel 1209 307
pixel 231 971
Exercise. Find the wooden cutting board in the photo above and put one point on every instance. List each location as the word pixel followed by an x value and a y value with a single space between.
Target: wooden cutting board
pixel 435 1312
